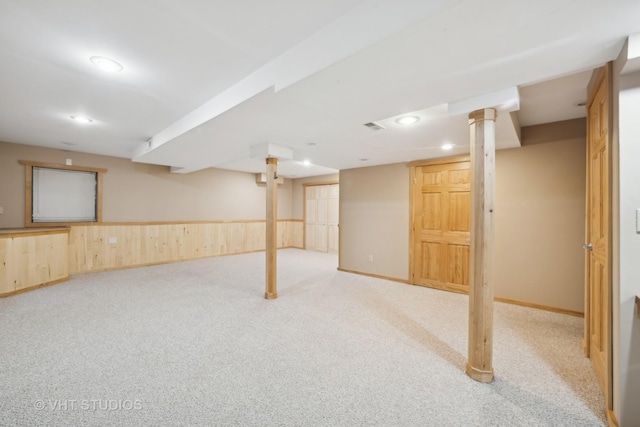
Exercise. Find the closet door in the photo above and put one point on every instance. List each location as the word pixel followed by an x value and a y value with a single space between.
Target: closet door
pixel 321 218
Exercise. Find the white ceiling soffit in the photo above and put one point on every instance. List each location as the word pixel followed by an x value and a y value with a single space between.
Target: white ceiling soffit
pixel 554 100
pixel 324 89
pixel 373 19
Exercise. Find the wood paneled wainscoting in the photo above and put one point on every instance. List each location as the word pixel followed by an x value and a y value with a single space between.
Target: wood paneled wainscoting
pixel 35 257
pixel 32 258
pixel 108 246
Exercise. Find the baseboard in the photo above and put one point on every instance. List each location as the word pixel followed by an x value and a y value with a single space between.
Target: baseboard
pixel 32 288
pixel 539 306
pixel 151 264
pixel 377 276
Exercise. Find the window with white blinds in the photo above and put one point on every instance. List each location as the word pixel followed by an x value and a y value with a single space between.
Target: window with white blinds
pixel 61 195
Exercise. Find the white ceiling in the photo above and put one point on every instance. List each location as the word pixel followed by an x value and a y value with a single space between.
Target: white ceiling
pixel 207 80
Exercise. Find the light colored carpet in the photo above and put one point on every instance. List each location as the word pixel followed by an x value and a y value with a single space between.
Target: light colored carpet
pixel 195 343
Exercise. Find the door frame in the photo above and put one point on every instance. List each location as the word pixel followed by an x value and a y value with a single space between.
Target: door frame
pixel 412 182
pixel 304 208
pixel 600 76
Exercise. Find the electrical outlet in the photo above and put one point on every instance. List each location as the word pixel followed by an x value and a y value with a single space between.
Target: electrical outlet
pixel 370 258
pixel 113 240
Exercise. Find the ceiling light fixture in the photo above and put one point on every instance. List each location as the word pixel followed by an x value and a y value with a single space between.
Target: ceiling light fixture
pixel 83 120
pixel 447 147
pixel 407 120
pixel 106 64
pixel 306 162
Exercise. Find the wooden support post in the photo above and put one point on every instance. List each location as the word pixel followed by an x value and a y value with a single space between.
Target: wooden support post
pixel 483 153
pixel 272 224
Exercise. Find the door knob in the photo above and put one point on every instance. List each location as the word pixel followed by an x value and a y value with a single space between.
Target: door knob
pixel 588 246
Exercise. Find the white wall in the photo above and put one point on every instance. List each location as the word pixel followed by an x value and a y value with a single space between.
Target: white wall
pixel 627 348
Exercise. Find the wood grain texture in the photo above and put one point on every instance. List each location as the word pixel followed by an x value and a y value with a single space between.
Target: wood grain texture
pixel 482 137
pixel 440 212
pixel 598 291
pixel 149 244
pixel 321 216
pixel 28 261
pixel 271 290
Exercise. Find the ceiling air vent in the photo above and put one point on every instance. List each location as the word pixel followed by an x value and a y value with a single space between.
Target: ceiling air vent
pixel 374 126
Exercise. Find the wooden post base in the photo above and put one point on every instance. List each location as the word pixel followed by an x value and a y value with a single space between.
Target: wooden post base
pixel 268 295
pixel 479 375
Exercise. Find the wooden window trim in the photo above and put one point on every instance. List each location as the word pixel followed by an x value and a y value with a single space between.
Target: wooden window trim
pixel 29 165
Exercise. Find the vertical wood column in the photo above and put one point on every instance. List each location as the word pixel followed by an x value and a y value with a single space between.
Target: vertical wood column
pixel 483 153
pixel 272 232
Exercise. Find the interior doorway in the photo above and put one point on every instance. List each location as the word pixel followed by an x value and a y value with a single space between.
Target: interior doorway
pixel 441 223
pixel 597 341
pixel 321 216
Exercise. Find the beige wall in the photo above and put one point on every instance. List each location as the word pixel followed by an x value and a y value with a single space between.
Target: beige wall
pixel 297 197
pixel 539 223
pixel 374 220
pixel 141 192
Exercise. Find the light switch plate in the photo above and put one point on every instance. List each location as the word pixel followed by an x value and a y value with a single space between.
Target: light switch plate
pixel 637 220
pixel 1 210
pixel 113 240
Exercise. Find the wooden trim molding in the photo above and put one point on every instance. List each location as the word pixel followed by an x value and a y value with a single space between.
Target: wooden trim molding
pixel 539 307
pixel 31 288
pixel 315 184
pixel 24 232
pixel 637 305
pixel 376 276
pixel 59 166
pixel 439 161
pixel 240 221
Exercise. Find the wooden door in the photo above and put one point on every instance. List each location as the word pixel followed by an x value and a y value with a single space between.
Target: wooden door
pixel 441 222
pixel 321 218
pixel 598 232
pixel 333 198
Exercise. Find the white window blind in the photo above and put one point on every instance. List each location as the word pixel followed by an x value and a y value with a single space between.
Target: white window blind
pixel 61 195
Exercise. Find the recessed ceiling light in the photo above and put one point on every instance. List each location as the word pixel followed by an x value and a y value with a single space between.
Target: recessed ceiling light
pixel 364 159
pixel 311 144
pixel 80 119
pixel 306 162
pixel 106 64
pixel 407 120
pixel 447 147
